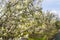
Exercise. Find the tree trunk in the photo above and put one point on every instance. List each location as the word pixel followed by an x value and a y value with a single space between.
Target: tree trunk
pixel 7 38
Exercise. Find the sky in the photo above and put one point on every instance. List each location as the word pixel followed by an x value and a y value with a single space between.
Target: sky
pixel 51 5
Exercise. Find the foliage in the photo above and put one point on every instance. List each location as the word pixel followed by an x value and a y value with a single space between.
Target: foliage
pixel 22 18
pixel 58 25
